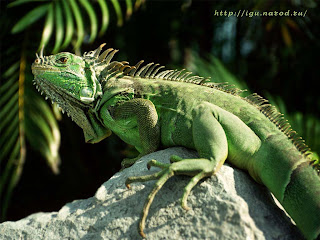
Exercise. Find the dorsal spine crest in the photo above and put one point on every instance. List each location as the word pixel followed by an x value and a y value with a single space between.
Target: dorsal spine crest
pixel 152 71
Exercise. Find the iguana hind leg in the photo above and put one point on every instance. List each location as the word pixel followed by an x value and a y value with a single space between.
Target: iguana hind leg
pixel 210 127
pixel 213 145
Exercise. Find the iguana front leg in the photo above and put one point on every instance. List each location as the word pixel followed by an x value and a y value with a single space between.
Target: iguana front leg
pixel 140 113
pixel 211 126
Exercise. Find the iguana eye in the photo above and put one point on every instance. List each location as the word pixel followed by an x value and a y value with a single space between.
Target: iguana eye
pixel 63 60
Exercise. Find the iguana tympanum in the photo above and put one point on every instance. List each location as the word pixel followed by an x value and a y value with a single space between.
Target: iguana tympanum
pixel 148 107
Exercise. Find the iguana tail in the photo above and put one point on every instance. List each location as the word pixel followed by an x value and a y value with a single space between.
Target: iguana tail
pixel 302 200
pixel 294 181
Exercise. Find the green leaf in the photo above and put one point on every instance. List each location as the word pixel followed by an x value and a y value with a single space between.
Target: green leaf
pixel 138 4
pixel 9 173
pixel 9 130
pixel 48 27
pixel 79 22
pixel 43 133
pixel 59 28
pixel 129 9
pixel 93 19
pixel 105 16
pixel 9 93
pixel 30 18
pixel 12 69
pixel 9 110
pixel 19 2
pixel 16 167
pixel 42 130
pixel 117 8
pixel 69 25
pixel 8 84
pixel 5 174
pixel 7 147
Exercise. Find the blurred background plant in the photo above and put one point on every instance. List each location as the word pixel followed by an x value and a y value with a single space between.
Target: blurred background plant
pixel 274 56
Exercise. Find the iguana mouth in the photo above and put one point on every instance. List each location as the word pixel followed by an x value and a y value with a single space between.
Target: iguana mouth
pixel 36 69
pixel 57 95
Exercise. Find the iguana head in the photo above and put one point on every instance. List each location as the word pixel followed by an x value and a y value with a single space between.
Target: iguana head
pixel 71 82
pixel 66 77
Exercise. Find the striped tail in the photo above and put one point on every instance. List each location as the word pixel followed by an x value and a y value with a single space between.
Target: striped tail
pixel 292 179
pixel 302 200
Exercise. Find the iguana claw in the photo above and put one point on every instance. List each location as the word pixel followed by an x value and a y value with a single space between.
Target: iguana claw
pixel 168 170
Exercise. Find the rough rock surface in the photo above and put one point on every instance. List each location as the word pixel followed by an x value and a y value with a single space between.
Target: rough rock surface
pixel 229 205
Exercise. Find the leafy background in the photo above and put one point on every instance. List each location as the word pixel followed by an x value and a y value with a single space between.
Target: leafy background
pixel 276 57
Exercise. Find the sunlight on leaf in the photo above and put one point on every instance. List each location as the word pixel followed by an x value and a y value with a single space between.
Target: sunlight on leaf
pixel 44 135
pixel 59 28
pixel 105 16
pixel 117 8
pixel 79 22
pixel 92 17
pixel 61 14
pixel 48 28
pixel 129 9
pixel 138 4
pixel 69 25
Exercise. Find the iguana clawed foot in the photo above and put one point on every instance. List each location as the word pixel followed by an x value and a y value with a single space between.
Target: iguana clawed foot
pixel 198 168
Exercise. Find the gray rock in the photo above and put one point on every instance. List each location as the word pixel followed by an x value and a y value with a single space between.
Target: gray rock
pixel 229 205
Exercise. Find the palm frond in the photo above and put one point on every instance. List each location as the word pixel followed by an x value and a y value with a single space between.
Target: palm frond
pixel 59 28
pixel 69 27
pixel 48 27
pixel 61 15
pixel 42 131
pixel 105 16
pixel 117 9
pixel 79 22
pixel 12 128
pixel 24 116
pixel 93 20
pixel 129 9
pixel 30 18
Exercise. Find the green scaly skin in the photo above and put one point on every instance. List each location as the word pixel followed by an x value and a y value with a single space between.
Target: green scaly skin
pixel 148 107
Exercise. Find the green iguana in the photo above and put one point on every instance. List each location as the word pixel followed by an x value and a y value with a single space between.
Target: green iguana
pixel 148 107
